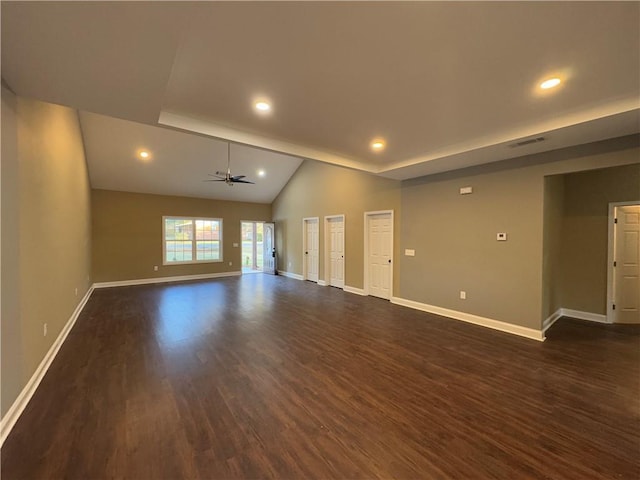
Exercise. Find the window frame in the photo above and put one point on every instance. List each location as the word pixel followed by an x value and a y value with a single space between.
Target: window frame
pixel 194 241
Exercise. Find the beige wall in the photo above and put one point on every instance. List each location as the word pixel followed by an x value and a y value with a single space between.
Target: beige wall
pixel 318 190
pixel 11 332
pixel 455 235
pixel 552 243
pixel 583 267
pixel 53 231
pixel 127 233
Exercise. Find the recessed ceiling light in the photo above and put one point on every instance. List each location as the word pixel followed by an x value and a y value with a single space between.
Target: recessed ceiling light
pixel 262 107
pixel 377 144
pixel 261 173
pixel 550 83
pixel 144 155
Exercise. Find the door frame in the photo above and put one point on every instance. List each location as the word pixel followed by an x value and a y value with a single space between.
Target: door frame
pixel 610 254
pixel 305 274
pixel 255 241
pixel 367 218
pixel 327 249
pixel 273 247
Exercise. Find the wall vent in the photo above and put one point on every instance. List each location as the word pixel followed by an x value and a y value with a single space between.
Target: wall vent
pixel 528 141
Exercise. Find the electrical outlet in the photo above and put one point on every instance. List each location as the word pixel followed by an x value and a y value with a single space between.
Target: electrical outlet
pixel 44 332
pixel 230 263
pixel 155 268
pixel 463 295
pixel 76 291
pixel 289 264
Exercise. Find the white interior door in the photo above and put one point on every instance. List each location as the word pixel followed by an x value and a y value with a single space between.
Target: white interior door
pixel 626 279
pixel 336 251
pixel 380 242
pixel 311 244
pixel 268 248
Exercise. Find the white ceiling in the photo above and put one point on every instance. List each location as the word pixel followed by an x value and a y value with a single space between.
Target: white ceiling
pixel 179 162
pixel 447 84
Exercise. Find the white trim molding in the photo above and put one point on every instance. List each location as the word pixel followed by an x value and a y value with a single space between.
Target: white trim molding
pixel 356 290
pixel 470 318
pixel 591 317
pixel 551 319
pixel 322 283
pixel 295 276
pixel 567 312
pixel 20 403
pixel 180 278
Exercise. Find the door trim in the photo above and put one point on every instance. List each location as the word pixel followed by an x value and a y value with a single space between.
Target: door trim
pixel 327 249
pixel 305 275
pixel 367 217
pixel 610 254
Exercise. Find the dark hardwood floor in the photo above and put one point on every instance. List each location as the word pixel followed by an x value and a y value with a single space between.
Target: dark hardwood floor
pixel 267 377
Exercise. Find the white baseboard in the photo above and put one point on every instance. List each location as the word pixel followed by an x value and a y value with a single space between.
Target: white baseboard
pixel 357 291
pixel 322 283
pixel 591 317
pixel 290 275
pixel 553 318
pixel 475 319
pixel 180 278
pixel 20 403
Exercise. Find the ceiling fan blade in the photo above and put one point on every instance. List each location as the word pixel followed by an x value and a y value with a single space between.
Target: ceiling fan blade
pixel 216 180
pixel 217 174
pixel 237 177
pixel 241 181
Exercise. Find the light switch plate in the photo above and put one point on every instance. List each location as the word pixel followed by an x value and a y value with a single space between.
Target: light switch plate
pixel 501 237
pixel 235 244
pixel 409 252
pixel 466 190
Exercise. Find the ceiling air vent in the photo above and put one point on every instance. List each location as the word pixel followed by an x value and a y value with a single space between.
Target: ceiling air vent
pixel 528 141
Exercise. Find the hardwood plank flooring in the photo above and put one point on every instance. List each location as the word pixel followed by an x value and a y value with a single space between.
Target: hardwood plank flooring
pixel 268 377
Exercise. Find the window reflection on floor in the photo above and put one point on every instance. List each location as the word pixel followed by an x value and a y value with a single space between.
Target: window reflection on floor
pixel 188 312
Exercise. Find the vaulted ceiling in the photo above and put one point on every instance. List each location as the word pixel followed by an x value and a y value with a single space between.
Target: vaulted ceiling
pixel 445 84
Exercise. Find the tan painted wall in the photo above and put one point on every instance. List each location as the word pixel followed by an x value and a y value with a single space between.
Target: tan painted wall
pixel 127 233
pixel 318 190
pixel 552 243
pixel 11 332
pixel 54 234
pixel 455 236
pixel 583 267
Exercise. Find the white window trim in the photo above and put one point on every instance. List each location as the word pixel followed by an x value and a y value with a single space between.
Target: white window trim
pixel 190 262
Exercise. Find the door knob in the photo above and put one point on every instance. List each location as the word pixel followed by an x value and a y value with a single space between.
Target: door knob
pixel 389 260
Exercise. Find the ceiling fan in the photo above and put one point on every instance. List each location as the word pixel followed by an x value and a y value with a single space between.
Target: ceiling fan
pixel 227 177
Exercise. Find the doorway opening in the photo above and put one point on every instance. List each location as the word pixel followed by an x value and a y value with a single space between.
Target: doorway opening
pixel 310 245
pixel 252 237
pixel 378 254
pixel 334 250
pixel 623 272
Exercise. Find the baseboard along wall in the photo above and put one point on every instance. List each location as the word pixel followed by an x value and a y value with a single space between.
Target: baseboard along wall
pixel 526 332
pixel 180 278
pixel 567 312
pixel 20 403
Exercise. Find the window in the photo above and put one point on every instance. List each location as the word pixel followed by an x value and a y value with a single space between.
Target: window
pixel 191 240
